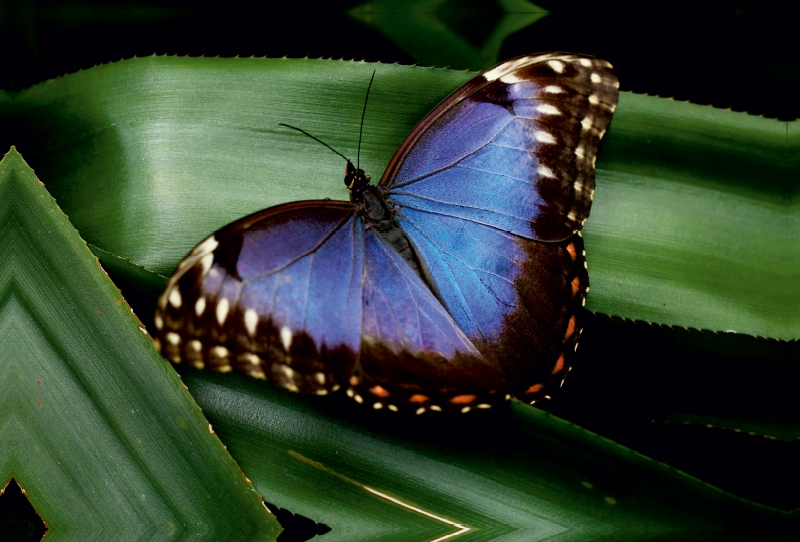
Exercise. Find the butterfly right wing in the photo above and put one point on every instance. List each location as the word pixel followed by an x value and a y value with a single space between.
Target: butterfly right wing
pixel 307 297
pixel 491 188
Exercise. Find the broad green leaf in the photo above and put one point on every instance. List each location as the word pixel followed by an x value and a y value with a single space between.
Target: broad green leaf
pixel 94 425
pixel 514 474
pixel 694 220
pixel 692 224
pixel 149 155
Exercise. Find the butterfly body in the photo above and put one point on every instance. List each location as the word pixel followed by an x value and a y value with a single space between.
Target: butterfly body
pixel 454 283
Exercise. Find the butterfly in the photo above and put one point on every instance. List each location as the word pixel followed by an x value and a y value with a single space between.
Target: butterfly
pixel 454 283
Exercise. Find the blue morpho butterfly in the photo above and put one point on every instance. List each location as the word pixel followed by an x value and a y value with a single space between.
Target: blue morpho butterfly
pixel 454 283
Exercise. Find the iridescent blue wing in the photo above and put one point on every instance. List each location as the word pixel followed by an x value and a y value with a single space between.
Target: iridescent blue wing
pixel 492 188
pixel 305 296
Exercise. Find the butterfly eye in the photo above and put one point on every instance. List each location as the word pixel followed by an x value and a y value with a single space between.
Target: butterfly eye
pixel 349 175
pixel 355 179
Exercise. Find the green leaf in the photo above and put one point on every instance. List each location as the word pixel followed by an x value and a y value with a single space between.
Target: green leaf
pixel 691 227
pixel 93 423
pixel 693 220
pixel 518 473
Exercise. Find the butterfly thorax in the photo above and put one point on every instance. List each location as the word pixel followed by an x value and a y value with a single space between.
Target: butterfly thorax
pixel 372 206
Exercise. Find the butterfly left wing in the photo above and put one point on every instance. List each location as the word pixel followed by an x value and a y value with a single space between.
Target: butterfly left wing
pixel 304 295
pixel 492 188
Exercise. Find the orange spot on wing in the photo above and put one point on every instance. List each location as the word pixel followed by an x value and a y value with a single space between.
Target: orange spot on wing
pixel 570 328
pixel 576 285
pixel 534 388
pixel 571 249
pixel 463 399
pixel 559 365
pixel 417 398
pixel 354 381
pixel 380 391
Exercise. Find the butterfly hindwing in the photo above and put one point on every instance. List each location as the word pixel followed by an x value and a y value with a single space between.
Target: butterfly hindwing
pixel 308 297
pixel 491 188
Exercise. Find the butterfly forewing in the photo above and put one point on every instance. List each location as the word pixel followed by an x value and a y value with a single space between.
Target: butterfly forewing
pixel 512 149
pixel 304 295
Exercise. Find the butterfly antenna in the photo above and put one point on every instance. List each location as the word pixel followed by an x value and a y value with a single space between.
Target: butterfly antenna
pixel 314 138
pixel 364 112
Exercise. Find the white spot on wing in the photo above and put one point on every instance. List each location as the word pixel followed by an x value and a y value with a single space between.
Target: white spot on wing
pixel 510 78
pixel 219 352
pixel 250 321
pixel 504 68
pixel 553 89
pixel 206 262
pixel 579 152
pixel 556 65
pixel 587 123
pixel 222 310
pixel 173 338
pixel 286 338
pixel 545 171
pixel 547 109
pixel 249 358
pixel 158 321
pixel 206 246
pixel 175 298
pixel 585 62
pixel 544 137
pixel 200 306
pixel 593 100
pixel 595 78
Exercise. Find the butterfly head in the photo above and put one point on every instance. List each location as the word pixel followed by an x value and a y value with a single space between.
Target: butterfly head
pixel 355 179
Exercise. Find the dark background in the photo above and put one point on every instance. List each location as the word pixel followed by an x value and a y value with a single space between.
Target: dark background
pixel 741 54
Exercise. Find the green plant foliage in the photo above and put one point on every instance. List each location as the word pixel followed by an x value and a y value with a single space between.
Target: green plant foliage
pixel 692 226
pixel 518 473
pixel 694 219
pixel 93 423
